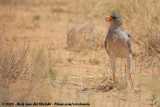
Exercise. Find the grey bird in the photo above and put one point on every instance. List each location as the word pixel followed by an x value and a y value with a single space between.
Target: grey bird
pixel 118 44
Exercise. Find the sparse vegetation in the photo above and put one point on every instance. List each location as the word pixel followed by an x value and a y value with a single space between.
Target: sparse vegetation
pixel 53 73
pixel 141 14
pixel 14 66
pixel 154 101
pixel 122 85
pixel 36 17
pixel 94 61
pixel 82 36
pixel 38 73
pixel 153 46
pixel 44 72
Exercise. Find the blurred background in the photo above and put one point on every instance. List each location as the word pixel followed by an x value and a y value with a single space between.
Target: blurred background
pixel 53 51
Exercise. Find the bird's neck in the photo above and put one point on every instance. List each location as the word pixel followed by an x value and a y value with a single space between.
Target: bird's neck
pixel 116 26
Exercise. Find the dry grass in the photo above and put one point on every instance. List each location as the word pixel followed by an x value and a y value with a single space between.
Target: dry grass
pixel 8 10
pixel 153 46
pixel 13 63
pixel 57 74
pixel 82 36
pixel 140 18
pixel 14 66
pixel 43 75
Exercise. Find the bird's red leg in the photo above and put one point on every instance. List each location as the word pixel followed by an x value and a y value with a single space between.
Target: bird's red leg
pixel 130 75
pixel 129 63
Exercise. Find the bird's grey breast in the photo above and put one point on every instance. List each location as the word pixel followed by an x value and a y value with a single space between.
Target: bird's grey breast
pixel 116 42
pixel 116 36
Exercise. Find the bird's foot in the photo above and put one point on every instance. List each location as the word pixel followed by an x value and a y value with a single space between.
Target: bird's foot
pixel 137 89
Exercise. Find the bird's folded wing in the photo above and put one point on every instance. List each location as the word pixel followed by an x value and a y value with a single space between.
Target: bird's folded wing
pixel 106 46
pixel 129 44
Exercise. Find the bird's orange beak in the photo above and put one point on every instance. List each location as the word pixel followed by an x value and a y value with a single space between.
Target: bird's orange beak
pixel 109 19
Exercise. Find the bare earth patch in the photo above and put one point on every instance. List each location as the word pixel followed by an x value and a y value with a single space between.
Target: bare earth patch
pixel 52 51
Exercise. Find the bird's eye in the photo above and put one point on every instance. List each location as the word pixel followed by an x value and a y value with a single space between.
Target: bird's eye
pixel 114 17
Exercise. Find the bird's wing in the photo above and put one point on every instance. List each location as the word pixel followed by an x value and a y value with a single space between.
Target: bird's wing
pixel 129 43
pixel 106 46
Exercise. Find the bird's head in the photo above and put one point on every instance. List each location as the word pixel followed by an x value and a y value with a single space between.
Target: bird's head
pixel 114 19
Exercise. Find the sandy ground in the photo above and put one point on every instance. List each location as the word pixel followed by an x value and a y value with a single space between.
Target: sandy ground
pixel 78 80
